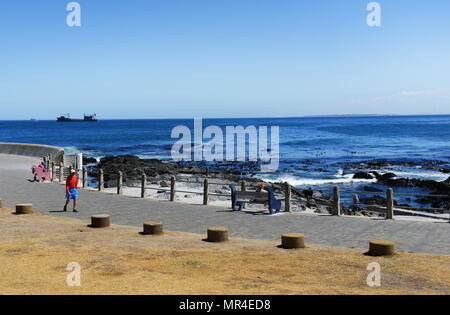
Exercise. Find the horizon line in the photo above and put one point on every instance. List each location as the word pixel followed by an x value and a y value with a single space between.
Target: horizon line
pixel 259 117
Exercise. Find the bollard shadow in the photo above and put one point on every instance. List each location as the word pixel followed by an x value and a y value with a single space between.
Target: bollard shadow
pixel 206 240
pixel 144 234
pixel 288 248
pixel 57 211
pixel 97 228
pixel 385 256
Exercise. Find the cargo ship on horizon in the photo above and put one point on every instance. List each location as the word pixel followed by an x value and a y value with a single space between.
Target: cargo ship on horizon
pixel 87 118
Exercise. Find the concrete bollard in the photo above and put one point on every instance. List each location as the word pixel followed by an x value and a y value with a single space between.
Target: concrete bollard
pixel 119 183
pixel 101 182
pixel 336 201
pixel 153 228
pixel 24 208
pixel 390 204
pixel 144 186
pixel 293 240
pixel 100 221
pixel 85 177
pixel 173 191
pixel 287 197
pixel 61 173
pixel 206 192
pixel 217 234
pixel 381 248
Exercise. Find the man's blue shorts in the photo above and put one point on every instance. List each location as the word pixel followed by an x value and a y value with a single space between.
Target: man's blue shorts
pixel 73 194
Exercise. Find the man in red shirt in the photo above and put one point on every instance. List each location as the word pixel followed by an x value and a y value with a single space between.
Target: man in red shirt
pixel 71 190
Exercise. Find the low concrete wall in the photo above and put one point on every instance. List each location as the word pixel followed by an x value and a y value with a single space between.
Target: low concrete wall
pixel 34 150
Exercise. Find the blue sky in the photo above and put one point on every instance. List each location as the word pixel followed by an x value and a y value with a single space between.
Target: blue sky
pixel 223 58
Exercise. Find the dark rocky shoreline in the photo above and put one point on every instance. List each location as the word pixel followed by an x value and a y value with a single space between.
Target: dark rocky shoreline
pixel 436 165
pixel 160 172
pixel 390 179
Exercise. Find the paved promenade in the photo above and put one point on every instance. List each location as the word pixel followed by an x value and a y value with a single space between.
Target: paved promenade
pixel 411 236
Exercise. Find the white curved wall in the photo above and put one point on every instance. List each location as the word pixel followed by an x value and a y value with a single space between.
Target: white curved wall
pixel 34 150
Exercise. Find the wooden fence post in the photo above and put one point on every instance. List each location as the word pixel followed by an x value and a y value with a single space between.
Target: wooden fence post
pixel 244 188
pixel 287 197
pixel 205 192
pixel 119 183
pixel 53 170
pixel 244 185
pixel 173 190
pixel 144 186
pixel 61 172
pixel 336 201
pixel 390 204
pixel 101 184
pixel 85 177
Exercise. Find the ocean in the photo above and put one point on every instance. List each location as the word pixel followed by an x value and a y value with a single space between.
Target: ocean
pixel 314 151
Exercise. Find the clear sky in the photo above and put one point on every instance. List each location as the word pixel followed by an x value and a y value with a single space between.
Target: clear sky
pixel 223 58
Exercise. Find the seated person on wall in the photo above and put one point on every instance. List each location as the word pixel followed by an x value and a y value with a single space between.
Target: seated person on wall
pixel 41 167
pixel 355 206
pixel 260 189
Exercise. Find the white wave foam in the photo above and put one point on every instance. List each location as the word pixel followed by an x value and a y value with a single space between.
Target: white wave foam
pixel 428 175
pixel 348 178
pixel 71 150
pixel 295 181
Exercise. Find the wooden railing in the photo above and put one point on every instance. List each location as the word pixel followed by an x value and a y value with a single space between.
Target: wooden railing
pixel 61 172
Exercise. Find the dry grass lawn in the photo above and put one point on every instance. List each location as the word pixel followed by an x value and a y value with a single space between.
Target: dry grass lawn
pixel 35 250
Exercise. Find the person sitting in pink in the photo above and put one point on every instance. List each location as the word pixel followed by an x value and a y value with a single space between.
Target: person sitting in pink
pixel 42 168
